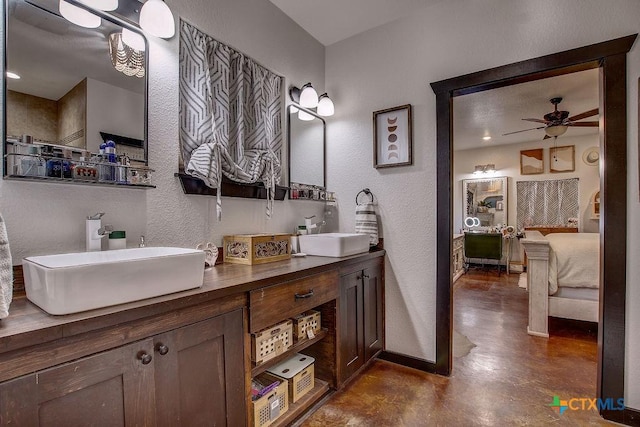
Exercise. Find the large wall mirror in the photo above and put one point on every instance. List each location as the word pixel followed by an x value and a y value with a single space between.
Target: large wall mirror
pixel 77 86
pixel 484 202
pixel 306 138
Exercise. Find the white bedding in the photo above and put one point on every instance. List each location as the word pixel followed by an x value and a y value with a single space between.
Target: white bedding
pixel 574 260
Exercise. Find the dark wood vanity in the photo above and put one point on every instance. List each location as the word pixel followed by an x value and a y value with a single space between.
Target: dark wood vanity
pixel 185 359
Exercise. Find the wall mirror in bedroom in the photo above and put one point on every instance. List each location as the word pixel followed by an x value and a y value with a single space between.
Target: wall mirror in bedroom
pixel 72 83
pixel 486 200
pixel 306 142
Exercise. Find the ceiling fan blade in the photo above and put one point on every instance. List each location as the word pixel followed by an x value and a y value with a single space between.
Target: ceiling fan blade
pixel 584 124
pixel 524 130
pixel 536 120
pixel 583 115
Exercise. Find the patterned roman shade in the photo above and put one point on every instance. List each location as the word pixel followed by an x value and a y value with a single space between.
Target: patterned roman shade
pixel 550 202
pixel 230 115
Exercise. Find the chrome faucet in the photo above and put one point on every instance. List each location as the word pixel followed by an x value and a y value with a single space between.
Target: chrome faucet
pixel 142 243
pixel 310 226
pixel 95 232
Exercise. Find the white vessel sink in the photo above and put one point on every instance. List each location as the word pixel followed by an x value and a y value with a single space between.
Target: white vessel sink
pixel 334 244
pixel 70 283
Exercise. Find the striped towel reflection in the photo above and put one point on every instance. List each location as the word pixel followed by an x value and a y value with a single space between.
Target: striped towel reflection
pixel 366 221
pixel 6 272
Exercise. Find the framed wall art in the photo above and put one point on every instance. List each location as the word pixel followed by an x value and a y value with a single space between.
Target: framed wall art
pixel 532 161
pixel 392 137
pixel 562 159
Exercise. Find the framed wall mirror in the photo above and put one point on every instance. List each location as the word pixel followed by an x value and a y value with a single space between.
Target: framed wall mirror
pixel 306 142
pixel 484 202
pixel 77 86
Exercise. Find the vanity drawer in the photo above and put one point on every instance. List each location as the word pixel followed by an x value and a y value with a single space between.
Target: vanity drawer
pixel 270 305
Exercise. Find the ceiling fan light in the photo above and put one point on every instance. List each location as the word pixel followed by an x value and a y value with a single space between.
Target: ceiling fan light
pixel 156 19
pixel 133 40
pixel 78 15
pixel 556 130
pixel 106 5
pixel 308 96
pixel 325 106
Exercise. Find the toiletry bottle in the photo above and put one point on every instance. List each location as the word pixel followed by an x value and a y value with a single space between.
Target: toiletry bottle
pixel 33 164
pixel 117 240
pixel 54 164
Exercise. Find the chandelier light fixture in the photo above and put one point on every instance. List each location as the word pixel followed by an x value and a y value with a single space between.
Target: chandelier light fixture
pixel 487 169
pixel 124 58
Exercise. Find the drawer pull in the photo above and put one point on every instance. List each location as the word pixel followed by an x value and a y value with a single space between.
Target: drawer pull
pixel 162 349
pixel 144 357
pixel 303 296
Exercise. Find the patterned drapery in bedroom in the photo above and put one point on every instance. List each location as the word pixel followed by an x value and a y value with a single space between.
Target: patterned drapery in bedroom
pixel 550 202
pixel 230 115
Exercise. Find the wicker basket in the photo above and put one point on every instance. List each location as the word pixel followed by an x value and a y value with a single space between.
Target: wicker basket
pixel 271 342
pixel 298 372
pixel 271 406
pixel 302 323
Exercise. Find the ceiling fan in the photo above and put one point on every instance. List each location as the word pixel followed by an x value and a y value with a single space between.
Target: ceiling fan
pixel 557 122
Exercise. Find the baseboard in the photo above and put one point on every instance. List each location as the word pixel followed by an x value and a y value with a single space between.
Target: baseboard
pixel 631 417
pixel 408 361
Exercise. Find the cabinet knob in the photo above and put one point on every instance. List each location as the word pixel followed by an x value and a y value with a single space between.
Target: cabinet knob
pixel 144 357
pixel 303 296
pixel 162 349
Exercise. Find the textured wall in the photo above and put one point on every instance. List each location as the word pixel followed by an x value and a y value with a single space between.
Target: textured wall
pixel 31 115
pixel 47 218
pixel 393 65
pixel 72 116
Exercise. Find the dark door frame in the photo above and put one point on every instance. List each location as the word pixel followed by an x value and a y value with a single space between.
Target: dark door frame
pixel 610 58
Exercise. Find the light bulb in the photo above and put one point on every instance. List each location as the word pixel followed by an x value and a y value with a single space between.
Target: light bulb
pixel 106 5
pixel 156 19
pixel 133 39
pixel 303 115
pixel 78 16
pixel 308 96
pixel 12 75
pixel 325 106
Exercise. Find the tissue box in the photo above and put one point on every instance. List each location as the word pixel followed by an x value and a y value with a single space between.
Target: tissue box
pixel 256 248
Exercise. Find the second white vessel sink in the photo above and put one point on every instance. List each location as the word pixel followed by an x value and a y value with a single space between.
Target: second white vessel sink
pixel 334 244
pixel 70 283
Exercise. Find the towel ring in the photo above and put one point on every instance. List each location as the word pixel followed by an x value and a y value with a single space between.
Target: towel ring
pixel 367 192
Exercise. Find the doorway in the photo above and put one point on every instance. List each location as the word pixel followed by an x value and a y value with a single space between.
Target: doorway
pixel 610 58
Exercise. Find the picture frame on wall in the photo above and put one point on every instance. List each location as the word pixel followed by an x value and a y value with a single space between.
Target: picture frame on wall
pixel 532 161
pixel 392 137
pixel 562 159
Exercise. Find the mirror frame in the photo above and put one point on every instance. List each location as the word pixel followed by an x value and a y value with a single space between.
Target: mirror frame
pixel 505 198
pixel 289 142
pixel 115 19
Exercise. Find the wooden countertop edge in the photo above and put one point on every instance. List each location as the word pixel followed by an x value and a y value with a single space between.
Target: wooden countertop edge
pixel 28 325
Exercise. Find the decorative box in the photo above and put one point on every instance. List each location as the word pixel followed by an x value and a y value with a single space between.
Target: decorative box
pixel 271 342
pixel 272 405
pixel 298 373
pixel 302 323
pixel 256 248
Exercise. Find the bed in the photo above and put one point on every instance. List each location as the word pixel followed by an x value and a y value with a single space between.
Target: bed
pixel 563 276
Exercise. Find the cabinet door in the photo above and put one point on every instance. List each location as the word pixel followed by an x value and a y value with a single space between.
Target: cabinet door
pixel 200 373
pixel 113 388
pixel 351 325
pixel 372 311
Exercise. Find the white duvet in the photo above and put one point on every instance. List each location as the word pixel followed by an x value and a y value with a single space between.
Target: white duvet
pixel 574 260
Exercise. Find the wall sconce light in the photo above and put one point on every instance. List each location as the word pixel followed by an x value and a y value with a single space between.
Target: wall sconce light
pixel 307 97
pixel 133 40
pixel 155 16
pixel 156 19
pixel 484 169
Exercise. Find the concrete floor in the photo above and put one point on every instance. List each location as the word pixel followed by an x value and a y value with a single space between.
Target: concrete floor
pixel 508 378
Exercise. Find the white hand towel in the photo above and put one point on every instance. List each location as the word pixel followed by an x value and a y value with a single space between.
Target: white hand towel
pixel 6 272
pixel 366 221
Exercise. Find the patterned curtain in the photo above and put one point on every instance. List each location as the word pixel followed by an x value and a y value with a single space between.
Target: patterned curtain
pixel 230 115
pixel 547 202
